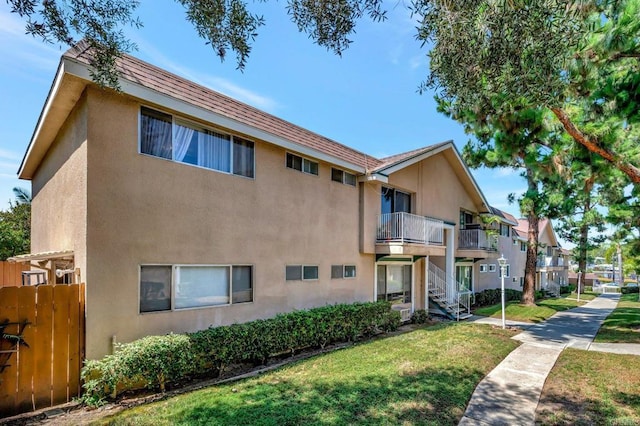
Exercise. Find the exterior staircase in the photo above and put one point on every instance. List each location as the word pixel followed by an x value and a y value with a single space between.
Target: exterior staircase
pixel 450 300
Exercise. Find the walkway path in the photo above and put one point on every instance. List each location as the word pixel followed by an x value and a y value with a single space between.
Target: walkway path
pixel 509 394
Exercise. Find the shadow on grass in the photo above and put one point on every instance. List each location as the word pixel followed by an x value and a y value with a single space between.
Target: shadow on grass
pixel 557 409
pixel 423 396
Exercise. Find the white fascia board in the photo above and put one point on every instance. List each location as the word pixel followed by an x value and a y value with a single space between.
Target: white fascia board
pixel 150 95
pixel 53 91
pixel 447 145
pixel 373 177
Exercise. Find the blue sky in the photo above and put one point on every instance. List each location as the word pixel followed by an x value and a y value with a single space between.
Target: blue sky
pixel 366 99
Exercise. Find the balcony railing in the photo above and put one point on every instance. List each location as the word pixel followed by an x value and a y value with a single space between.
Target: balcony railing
pixel 548 261
pixel 477 239
pixel 409 228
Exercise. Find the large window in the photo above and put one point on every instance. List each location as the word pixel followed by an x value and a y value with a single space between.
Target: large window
pixel 193 286
pixel 504 230
pixel 302 164
pixel 162 135
pixel 394 201
pixel 394 283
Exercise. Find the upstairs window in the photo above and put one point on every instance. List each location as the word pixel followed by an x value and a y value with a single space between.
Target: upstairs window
pixel 506 271
pixel 466 219
pixel 504 230
pixel 523 246
pixel 341 176
pixel 164 136
pixel 395 201
pixel 301 164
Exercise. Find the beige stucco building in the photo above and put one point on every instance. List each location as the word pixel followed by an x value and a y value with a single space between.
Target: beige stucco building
pixel 183 208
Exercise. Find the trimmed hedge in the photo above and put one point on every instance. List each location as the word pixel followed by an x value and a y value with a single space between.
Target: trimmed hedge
pixel 567 289
pixel 155 361
pixel 493 295
pixel 630 289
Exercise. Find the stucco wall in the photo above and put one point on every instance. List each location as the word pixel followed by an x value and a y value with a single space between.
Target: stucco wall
pixel 146 210
pixel 59 190
pixel 515 259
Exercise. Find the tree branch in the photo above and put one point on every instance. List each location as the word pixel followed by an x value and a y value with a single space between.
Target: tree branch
pixel 592 145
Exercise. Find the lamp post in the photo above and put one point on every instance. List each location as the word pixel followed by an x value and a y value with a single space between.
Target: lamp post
pixel 503 270
pixel 579 276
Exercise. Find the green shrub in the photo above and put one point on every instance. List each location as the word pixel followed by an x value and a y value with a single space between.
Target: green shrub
pixel 587 288
pixel 567 289
pixel 494 295
pixel 629 289
pixel 152 360
pixel 155 361
pixel 420 316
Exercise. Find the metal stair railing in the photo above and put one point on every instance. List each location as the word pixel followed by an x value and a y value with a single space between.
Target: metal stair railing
pixel 453 300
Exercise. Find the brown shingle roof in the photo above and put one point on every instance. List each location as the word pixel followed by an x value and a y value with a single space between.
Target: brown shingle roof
pixel 164 82
pixel 398 158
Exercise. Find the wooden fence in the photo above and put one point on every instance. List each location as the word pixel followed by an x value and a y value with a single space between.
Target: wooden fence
pixel 11 273
pixel 40 365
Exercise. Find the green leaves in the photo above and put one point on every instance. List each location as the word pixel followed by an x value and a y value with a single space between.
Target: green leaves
pixel 159 360
pixel 330 23
pixel 225 25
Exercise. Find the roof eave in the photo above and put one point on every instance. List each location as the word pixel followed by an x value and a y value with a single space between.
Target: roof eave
pixel 54 113
pixel 146 94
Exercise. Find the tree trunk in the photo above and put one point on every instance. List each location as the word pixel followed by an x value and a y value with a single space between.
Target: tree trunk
pixel 592 145
pixel 529 288
pixel 584 238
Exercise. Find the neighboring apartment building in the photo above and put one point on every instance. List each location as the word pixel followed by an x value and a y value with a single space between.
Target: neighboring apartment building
pixel 552 266
pixel 509 244
pixel 182 208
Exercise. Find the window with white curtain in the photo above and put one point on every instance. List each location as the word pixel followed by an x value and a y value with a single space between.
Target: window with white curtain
pixel 165 136
pixel 167 287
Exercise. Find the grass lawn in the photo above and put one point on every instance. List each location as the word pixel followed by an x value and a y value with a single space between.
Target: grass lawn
pixel 541 311
pixel 623 325
pixel 591 388
pixel 424 377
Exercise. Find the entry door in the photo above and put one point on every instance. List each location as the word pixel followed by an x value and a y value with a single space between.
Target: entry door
pixel 464 276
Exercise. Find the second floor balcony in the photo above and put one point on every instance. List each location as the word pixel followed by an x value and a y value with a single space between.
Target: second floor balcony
pixel 409 228
pixel 477 239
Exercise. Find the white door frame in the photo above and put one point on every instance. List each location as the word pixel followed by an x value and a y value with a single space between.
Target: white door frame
pixel 409 261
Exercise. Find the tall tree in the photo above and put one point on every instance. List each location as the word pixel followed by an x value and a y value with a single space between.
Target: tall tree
pixel 529 51
pixel 521 140
pixel 590 181
pixel 15 230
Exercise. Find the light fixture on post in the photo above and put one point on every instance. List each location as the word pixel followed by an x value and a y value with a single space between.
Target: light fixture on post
pixel 503 270
pixel 579 276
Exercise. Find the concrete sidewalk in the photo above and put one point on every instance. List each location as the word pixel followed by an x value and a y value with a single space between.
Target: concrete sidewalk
pixel 509 394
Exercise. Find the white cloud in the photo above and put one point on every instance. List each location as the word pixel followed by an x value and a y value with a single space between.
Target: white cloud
pixel 23 50
pixel 216 83
pixel 8 155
